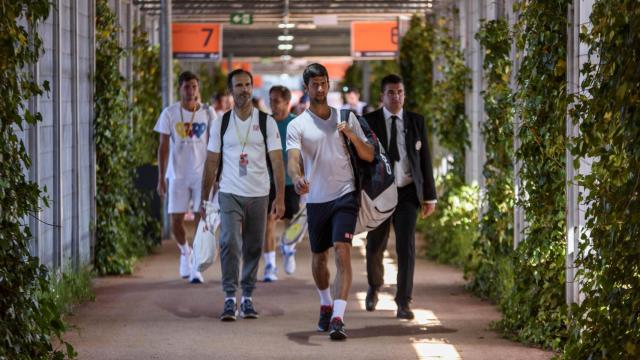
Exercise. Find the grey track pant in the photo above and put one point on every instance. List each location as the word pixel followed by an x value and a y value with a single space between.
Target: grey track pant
pixel 242 226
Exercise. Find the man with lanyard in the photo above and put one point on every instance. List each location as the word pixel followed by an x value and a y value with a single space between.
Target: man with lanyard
pixel 402 134
pixel 184 135
pixel 316 140
pixel 241 152
pixel 279 98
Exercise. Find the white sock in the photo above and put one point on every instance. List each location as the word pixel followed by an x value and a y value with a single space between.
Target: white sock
pixel 325 297
pixel 289 248
pixel 184 248
pixel 338 308
pixel 272 258
pixel 230 298
pixel 245 298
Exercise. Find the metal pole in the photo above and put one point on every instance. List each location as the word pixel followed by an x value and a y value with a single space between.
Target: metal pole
pixel 167 85
pixel 366 82
pixel 75 236
pixel 57 141
pixel 34 150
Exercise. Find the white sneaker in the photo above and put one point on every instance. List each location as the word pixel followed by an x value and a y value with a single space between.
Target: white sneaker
pixel 289 258
pixel 185 264
pixel 270 273
pixel 196 277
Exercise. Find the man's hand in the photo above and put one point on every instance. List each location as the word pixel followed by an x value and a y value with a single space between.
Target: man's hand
pixel 344 128
pixel 162 187
pixel 301 185
pixel 427 209
pixel 277 207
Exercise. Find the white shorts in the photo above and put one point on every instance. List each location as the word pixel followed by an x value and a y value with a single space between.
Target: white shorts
pixel 183 190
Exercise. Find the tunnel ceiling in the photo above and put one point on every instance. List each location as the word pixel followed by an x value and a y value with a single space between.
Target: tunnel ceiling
pixel 260 39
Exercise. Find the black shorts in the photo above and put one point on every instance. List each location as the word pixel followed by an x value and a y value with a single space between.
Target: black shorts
pixel 331 222
pixel 291 200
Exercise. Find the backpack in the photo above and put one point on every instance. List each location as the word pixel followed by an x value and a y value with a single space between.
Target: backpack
pixel 375 182
pixel 262 121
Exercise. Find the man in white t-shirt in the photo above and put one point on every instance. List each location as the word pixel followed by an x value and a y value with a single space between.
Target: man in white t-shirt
pixel 184 134
pixel 316 139
pixel 352 100
pixel 238 146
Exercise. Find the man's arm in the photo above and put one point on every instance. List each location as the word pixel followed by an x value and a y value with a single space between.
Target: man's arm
pixel 428 183
pixel 163 155
pixel 277 166
pixel 294 166
pixel 364 150
pixel 209 177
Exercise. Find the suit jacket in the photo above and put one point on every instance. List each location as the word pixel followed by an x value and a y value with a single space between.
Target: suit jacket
pixel 419 160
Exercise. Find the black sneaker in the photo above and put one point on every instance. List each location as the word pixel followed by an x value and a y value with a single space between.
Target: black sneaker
pixel 247 311
pixel 336 329
pixel 229 312
pixel 325 317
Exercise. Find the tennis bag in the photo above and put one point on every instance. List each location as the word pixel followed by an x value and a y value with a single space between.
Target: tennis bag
pixel 375 182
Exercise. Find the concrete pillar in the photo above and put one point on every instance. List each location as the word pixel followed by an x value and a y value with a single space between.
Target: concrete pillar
pixel 516 56
pixel 475 154
pixel 578 15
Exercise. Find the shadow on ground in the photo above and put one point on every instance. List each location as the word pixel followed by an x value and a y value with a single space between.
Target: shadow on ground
pixel 304 337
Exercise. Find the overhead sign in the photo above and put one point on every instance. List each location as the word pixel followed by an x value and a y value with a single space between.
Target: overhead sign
pixel 374 39
pixel 238 18
pixel 197 41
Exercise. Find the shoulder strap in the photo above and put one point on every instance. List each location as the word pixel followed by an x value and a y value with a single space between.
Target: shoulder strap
pixel 225 124
pixel 353 158
pixel 262 120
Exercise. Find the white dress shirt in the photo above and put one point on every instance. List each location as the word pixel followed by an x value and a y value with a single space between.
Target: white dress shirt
pixel 402 168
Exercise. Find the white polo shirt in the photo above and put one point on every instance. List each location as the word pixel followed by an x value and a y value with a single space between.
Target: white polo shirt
pixel 256 181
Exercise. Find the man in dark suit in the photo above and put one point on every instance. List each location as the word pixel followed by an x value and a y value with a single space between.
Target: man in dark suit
pixel 402 134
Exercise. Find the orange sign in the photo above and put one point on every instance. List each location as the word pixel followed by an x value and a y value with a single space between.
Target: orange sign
pixel 244 65
pixel 197 41
pixel 374 39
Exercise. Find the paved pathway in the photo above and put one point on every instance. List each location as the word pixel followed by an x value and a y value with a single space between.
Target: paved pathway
pixel 155 315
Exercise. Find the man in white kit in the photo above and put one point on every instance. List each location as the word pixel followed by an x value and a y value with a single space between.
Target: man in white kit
pixel 317 140
pixel 240 144
pixel 184 134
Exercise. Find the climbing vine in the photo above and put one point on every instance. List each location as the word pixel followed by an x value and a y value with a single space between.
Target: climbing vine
pixel 147 100
pixel 534 309
pixel 446 105
pixel 119 224
pixel 606 325
pixel 29 322
pixel 492 248
pixel 416 67
pixel 212 81
pixel 448 237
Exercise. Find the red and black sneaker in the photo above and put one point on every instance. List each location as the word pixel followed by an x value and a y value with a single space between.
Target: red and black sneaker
pixel 325 317
pixel 336 329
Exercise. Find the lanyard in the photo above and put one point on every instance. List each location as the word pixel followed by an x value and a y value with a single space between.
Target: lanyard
pixel 193 115
pixel 246 136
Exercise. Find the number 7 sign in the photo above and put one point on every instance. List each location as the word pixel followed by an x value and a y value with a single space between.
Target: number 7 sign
pixel 197 40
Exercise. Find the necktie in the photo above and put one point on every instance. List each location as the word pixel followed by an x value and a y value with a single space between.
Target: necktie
pixel 393 140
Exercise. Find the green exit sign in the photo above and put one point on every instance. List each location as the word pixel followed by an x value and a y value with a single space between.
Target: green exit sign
pixel 241 19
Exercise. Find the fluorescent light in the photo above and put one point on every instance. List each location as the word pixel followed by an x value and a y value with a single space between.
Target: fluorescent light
pixel 285 47
pixel 286 26
pixel 285 37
